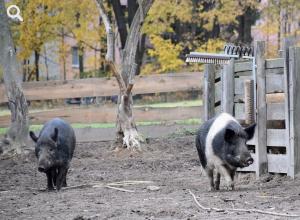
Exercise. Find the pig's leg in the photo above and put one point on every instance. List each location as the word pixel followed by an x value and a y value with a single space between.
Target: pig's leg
pixel 49 180
pixel 65 179
pixel 232 174
pixel 54 174
pixel 60 177
pixel 210 175
pixel 217 182
pixel 227 175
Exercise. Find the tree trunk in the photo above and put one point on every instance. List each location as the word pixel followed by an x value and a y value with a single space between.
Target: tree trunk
pixel 36 65
pixel 46 63
pixel 25 70
pixel 127 134
pixel 81 62
pixel 17 134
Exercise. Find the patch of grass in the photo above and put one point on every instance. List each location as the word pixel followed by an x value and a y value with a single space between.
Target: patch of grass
pixel 4 112
pixel 173 104
pixel 191 121
pixel 93 125
pixel 3 130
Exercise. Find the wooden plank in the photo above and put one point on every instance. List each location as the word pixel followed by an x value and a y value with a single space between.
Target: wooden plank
pixel 108 115
pixel 243 66
pixel 243 73
pixel 218 91
pixel 287 43
pixel 239 111
pixel 57 89
pixel 218 109
pixel 227 79
pixel 276 98
pixel 276 137
pixel 294 109
pixel 275 111
pixel 277 163
pixel 274 63
pixel 261 151
pixel 271 98
pixel 209 91
pixel 274 83
pixel 276 71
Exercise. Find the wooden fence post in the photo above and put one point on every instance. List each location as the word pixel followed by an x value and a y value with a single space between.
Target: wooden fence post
pixel 294 109
pixel 261 128
pixel 288 42
pixel 227 78
pixel 209 91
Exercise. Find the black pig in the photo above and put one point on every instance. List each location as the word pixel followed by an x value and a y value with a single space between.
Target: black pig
pixel 54 149
pixel 221 145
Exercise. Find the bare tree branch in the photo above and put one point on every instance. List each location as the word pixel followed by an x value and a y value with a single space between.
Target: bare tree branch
pixel 130 50
pixel 239 210
pixel 110 46
pixel 109 32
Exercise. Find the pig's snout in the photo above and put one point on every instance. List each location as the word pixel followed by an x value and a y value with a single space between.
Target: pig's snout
pixel 249 161
pixel 44 165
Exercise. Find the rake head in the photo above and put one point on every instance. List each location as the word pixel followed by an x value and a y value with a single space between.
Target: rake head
pixel 230 51
pixel 209 58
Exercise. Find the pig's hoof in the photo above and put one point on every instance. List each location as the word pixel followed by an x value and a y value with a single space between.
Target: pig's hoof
pixel 212 189
pixel 230 187
pixel 50 188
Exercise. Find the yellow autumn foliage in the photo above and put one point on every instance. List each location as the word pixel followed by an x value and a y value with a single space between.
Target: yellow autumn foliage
pixel 166 54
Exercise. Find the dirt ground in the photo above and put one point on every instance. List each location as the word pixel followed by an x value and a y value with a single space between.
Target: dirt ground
pixel 172 166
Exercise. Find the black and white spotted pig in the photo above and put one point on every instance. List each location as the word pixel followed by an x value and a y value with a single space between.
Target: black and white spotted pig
pixel 221 145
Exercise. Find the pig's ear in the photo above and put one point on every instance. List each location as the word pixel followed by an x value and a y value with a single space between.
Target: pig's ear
pixel 229 134
pixel 54 135
pixel 33 136
pixel 250 131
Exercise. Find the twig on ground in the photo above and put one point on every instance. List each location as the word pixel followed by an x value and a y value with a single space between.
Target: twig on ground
pixel 77 187
pixel 120 189
pixel 240 210
pixel 127 183
pixel 114 185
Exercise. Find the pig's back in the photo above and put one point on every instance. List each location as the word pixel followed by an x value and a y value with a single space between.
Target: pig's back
pixel 201 140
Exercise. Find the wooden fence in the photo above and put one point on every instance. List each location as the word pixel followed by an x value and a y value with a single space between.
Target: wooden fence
pixel 47 90
pixel 276 144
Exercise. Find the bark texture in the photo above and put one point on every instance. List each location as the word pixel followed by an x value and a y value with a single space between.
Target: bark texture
pixel 127 133
pixel 17 134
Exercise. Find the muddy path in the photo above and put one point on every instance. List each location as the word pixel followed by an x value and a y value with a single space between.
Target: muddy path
pixel 172 166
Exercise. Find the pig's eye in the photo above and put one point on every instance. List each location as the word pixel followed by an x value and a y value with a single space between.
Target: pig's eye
pixel 51 150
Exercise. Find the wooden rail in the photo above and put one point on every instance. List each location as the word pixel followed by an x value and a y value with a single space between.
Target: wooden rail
pixel 108 114
pixel 58 89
